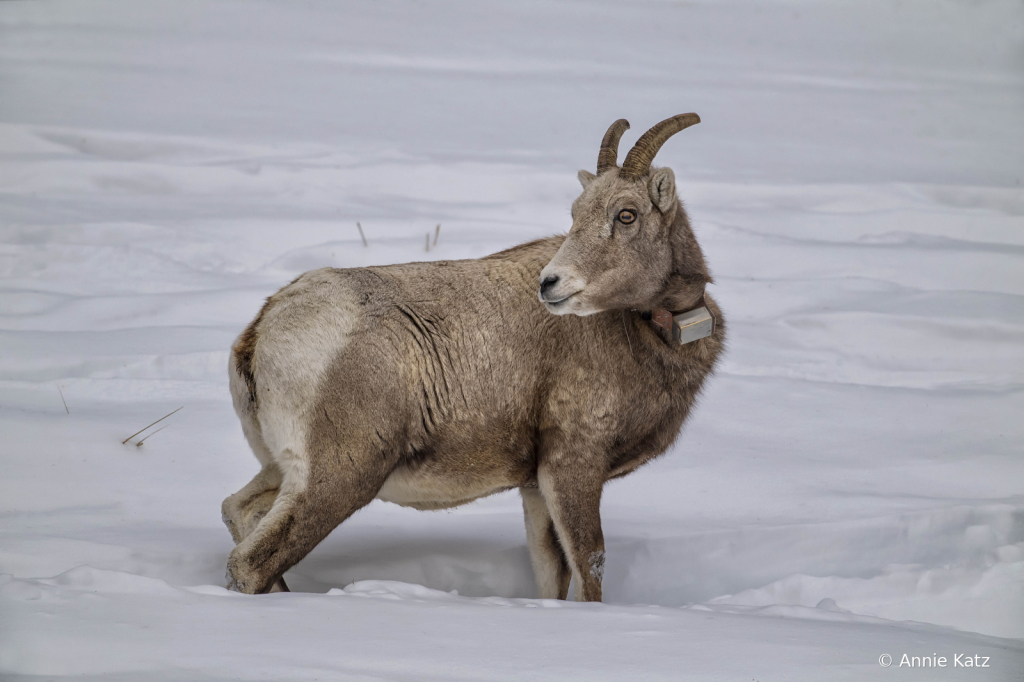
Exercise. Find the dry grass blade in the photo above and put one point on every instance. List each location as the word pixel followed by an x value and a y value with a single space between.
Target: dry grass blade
pixel 156 422
pixel 437 232
pixel 361 235
pixel 62 399
pixel 155 432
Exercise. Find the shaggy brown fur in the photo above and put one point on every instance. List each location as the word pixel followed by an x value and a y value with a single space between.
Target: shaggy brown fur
pixel 442 382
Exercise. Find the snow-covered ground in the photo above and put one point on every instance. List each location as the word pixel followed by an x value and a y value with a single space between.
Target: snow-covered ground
pixel 852 484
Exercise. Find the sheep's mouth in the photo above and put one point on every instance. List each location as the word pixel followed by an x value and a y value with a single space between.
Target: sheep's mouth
pixel 555 304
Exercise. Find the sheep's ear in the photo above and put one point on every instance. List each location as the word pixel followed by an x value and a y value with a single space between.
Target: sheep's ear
pixel 586 177
pixel 662 188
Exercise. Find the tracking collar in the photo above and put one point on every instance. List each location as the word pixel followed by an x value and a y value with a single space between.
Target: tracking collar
pixel 686 326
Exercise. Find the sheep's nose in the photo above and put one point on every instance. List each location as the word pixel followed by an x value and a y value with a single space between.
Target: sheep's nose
pixel 547 283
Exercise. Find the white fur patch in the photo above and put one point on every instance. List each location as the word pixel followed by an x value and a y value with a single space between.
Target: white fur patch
pixel 246 413
pixel 299 337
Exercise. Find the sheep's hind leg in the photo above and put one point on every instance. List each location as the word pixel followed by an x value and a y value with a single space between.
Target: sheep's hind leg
pixel 243 511
pixel 303 514
pixel 550 566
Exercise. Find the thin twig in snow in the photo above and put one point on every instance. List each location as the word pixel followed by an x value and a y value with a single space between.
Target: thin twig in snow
pixel 428 242
pixel 437 231
pixel 157 431
pixel 156 422
pixel 361 235
pixel 62 399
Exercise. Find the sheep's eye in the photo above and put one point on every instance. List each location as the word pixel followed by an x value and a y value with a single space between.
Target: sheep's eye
pixel 626 216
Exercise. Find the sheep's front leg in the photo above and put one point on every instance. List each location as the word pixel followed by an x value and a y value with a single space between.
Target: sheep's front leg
pixel 550 567
pixel 243 511
pixel 572 490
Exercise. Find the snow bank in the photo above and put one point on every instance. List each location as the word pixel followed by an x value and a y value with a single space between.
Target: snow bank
pixel 392 630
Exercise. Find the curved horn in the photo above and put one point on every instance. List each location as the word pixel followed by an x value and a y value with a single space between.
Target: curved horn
pixel 608 157
pixel 638 160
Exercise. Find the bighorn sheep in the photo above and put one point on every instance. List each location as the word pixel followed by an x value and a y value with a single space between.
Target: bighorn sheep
pixel 433 384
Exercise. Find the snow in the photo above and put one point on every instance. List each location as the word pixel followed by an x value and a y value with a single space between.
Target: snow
pixel 851 484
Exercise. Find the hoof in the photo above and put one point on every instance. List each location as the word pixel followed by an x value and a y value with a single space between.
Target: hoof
pixel 233 584
pixel 237 578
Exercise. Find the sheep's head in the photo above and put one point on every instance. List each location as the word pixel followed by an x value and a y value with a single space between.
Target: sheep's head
pixel 630 245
